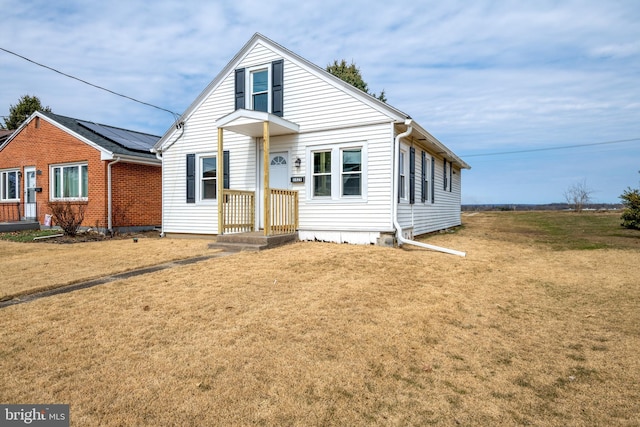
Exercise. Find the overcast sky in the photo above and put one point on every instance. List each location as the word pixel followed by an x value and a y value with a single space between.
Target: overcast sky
pixel 484 77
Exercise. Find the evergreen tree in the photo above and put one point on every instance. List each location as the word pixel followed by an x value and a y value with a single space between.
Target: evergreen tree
pixel 351 74
pixel 631 213
pixel 20 112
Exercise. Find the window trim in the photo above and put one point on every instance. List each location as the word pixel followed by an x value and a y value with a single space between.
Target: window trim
pixel 4 177
pixel 62 166
pixel 337 150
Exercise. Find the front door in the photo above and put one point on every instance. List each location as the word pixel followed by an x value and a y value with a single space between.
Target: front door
pixel 278 177
pixel 30 211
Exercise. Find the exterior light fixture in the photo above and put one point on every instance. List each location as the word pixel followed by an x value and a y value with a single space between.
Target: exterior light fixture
pixel 298 162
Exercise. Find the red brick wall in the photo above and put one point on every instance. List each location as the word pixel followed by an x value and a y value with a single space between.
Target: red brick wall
pixel 133 203
pixel 47 145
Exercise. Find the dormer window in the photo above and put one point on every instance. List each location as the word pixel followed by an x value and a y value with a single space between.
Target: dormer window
pixel 260 88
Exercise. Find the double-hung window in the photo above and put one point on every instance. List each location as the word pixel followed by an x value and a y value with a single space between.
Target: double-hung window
pixel 322 173
pixel 208 175
pixel 402 182
pixel 69 182
pixel 426 176
pixel 9 185
pixel 352 172
pixel 338 172
pixel 202 176
pixel 260 90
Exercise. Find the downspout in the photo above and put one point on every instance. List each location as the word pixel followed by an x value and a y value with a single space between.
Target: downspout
pixel 109 195
pixel 396 223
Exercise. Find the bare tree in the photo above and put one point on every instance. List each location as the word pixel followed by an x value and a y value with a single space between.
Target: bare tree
pixel 578 195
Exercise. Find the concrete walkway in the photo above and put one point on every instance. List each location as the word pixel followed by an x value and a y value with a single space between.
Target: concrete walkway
pixel 108 279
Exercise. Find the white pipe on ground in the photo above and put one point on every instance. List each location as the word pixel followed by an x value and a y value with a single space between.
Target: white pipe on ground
pixel 396 169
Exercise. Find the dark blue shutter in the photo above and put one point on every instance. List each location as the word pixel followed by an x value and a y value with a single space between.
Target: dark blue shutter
pixel 444 172
pixel 191 178
pixel 225 169
pixel 240 82
pixel 277 80
pixel 412 175
pixel 423 176
pixel 433 180
pixel 450 177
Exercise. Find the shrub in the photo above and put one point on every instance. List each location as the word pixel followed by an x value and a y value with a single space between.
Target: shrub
pixel 68 215
pixel 631 213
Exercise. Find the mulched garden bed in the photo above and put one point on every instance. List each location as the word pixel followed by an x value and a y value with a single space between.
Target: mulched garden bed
pixel 91 236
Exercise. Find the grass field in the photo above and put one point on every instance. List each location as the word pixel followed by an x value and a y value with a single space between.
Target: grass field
pixel 538 325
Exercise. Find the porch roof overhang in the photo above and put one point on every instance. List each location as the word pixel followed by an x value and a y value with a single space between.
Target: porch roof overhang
pixel 250 123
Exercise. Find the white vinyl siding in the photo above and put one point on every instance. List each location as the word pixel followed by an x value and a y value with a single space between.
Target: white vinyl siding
pixel 444 212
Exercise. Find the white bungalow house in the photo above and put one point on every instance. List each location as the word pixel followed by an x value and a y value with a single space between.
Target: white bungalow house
pixel 287 146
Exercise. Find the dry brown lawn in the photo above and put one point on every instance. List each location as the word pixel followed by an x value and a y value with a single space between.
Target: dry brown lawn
pixel 30 267
pixel 325 334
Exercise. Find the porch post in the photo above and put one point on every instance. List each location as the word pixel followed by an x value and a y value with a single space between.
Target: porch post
pixel 267 195
pixel 220 182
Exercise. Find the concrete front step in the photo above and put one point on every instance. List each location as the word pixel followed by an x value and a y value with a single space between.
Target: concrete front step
pixel 255 241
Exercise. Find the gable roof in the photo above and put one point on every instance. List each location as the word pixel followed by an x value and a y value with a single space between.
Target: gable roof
pixel 386 109
pixel 109 140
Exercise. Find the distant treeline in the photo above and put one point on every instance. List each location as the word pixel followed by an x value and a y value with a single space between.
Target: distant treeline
pixel 545 207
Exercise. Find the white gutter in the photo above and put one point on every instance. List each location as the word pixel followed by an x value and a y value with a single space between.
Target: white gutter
pixel 109 207
pixel 396 171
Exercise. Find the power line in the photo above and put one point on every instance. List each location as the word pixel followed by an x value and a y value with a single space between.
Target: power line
pixel 532 150
pixel 175 115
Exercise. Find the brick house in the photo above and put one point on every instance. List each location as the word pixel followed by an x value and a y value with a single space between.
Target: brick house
pixel 107 170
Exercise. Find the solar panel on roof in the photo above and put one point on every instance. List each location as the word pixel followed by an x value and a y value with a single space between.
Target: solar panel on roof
pixel 129 139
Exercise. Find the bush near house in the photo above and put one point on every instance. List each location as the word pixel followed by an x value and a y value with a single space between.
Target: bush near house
pixel 68 215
